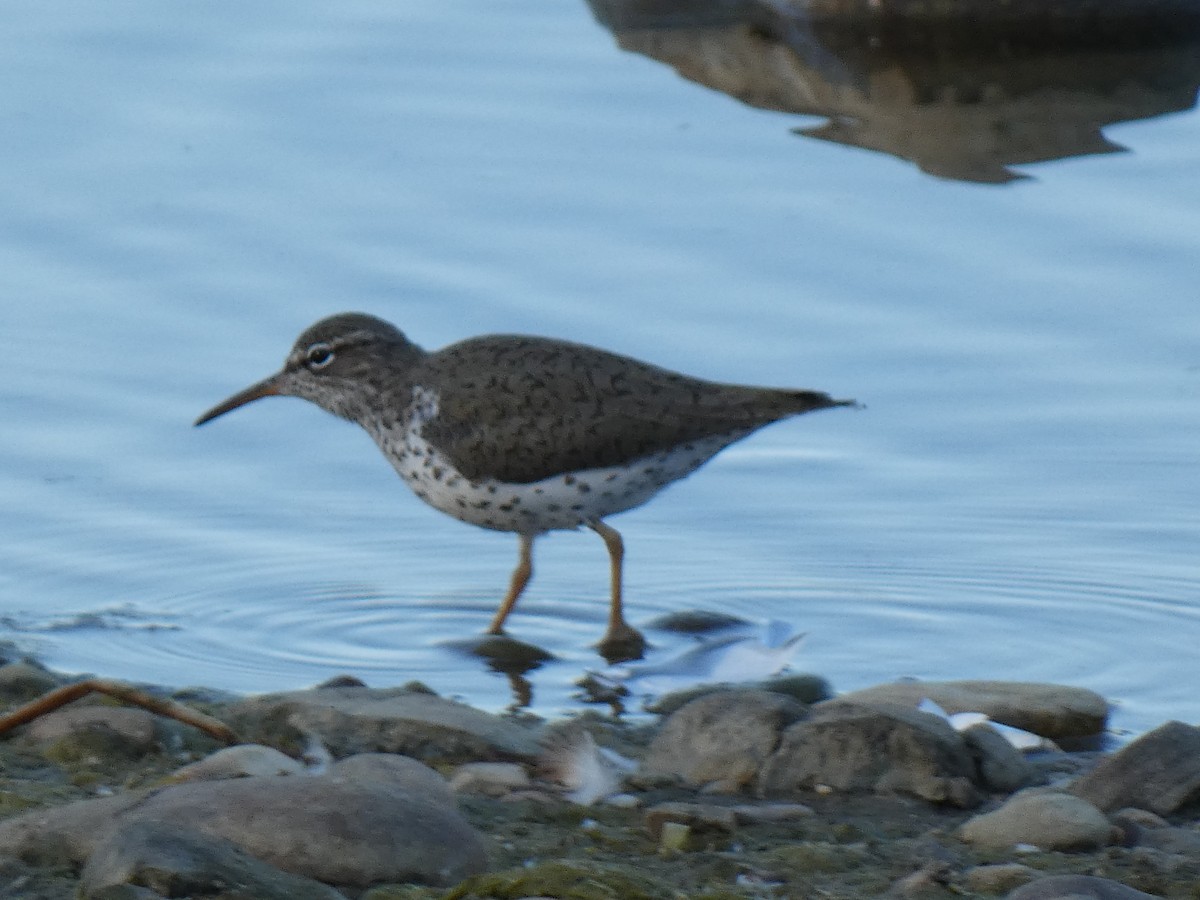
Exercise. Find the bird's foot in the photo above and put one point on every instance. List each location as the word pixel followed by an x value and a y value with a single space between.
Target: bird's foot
pixel 622 643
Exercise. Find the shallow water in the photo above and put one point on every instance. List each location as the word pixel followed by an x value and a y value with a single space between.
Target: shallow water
pixel 189 187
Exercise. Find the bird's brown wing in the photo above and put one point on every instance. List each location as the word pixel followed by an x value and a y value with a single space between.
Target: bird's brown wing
pixel 520 409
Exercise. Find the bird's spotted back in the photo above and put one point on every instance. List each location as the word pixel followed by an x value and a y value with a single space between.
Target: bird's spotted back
pixel 522 409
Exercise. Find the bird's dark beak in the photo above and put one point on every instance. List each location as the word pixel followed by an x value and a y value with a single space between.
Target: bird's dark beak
pixel 268 387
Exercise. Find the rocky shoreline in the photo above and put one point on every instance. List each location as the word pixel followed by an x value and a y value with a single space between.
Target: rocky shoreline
pixel 345 791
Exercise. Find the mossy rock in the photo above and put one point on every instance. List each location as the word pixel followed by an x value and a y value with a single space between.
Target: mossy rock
pixel 402 892
pixel 567 880
pixel 819 857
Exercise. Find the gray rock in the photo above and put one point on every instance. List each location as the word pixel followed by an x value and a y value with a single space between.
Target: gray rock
pixel 756 813
pixel 402 772
pixel 1045 819
pixel 63 835
pixel 336 831
pixel 852 748
pixel 1174 841
pixel 494 779
pixel 104 729
pixel 1077 887
pixel 240 761
pixel 175 862
pixel 1142 818
pixel 327 828
pixel 721 739
pixel 997 878
pixel 1001 766
pixel 352 720
pixel 1051 710
pixel 1142 828
pixel 932 879
pixel 805 688
pixel 26 680
pixel 802 686
pixel 1160 771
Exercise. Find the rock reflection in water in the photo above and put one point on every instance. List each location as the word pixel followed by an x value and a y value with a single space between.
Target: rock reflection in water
pixel 965 96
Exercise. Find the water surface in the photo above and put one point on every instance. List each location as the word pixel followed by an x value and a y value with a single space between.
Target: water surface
pixel 1014 301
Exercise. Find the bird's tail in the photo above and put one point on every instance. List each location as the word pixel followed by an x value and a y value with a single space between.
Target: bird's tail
pixel 809 401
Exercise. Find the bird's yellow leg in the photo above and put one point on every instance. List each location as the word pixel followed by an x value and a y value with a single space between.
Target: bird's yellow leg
pixel 520 577
pixel 619 631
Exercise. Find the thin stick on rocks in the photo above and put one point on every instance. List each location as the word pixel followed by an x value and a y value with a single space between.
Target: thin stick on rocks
pixel 127 693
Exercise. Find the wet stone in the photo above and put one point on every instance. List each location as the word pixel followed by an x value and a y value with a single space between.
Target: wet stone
pixel 844 747
pixel 21 881
pixel 930 880
pixel 240 761
pixel 804 687
pixel 491 779
pixel 721 739
pixel 1142 828
pixel 1045 819
pixel 174 862
pixel 396 771
pixel 326 828
pixel 1052 710
pixel 365 823
pixel 1002 768
pixel 695 621
pixel 758 813
pixel 998 878
pixel 63 835
pixel 25 680
pixel 1077 887
pixel 78 731
pixel 341 681
pixel 801 687
pixel 1159 771
pixel 353 720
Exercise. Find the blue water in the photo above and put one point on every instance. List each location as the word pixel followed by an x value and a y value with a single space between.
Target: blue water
pixel 189 186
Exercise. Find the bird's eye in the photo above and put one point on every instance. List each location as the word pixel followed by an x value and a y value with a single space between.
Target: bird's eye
pixel 319 356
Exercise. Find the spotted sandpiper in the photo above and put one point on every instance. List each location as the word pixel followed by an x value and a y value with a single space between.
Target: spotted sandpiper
pixel 524 434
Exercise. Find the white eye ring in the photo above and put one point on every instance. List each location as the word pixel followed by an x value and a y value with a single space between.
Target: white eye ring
pixel 319 355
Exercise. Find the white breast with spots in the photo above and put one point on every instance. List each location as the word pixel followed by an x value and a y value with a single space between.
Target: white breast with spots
pixel 563 501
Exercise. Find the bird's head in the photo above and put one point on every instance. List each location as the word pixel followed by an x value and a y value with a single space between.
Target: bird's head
pixel 342 364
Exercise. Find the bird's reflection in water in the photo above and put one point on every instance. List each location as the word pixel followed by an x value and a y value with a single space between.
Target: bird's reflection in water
pixel 716 649
pixel 509 657
pixel 514 659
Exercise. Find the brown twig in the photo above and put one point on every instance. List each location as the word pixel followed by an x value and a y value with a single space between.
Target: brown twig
pixel 52 700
